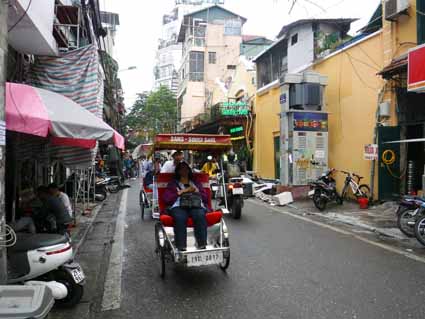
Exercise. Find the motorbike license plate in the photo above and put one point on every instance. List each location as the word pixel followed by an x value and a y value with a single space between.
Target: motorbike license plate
pixel 215 188
pixel 78 275
pixel 238 191
pixel 311 193
pixel 204 258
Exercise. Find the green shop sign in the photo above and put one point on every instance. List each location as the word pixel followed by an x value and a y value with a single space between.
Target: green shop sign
pixel 234 108
pixel 236 129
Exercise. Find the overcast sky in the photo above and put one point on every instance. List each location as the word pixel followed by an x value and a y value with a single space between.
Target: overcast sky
pixel 141 20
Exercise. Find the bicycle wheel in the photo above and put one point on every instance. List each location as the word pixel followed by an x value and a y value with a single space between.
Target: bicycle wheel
pixel 364 191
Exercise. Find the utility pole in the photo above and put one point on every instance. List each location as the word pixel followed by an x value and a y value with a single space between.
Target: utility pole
pixel 3 71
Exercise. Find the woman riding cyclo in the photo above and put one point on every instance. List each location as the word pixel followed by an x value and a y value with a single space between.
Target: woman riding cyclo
pixel 186 198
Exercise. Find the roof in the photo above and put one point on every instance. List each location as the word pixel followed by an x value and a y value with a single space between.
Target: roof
pixel 247 38
pixel 215 6
pixel 278 41
pixel 184 22
pixel 297 23
pixel 396 65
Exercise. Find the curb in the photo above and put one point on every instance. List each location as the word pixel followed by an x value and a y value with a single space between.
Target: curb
pixel 89 222
pixel 376 230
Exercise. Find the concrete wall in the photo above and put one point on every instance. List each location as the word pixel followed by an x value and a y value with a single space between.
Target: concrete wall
pixel 227 53
pixel 267 126
pixel 193 101
pixel 351 100
pixel 34 34
pixel 302 53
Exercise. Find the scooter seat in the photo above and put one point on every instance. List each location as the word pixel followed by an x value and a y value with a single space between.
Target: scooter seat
pixel 26 242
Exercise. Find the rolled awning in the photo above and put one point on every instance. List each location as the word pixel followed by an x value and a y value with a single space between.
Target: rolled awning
pixel 44 113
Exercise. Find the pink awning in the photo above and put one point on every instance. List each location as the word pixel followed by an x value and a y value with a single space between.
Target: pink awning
pixel 44 113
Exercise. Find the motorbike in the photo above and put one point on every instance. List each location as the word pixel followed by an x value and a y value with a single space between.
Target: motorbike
pixel 323 190
pixel 47 258
pixel 235 196
pixel 230 194
pixel 409 210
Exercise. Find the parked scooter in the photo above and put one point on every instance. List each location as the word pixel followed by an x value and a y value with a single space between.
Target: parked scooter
pixel 409 210
pixel 47 258
pixel 323 190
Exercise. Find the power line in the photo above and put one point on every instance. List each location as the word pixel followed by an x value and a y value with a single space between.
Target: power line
pixel 20 18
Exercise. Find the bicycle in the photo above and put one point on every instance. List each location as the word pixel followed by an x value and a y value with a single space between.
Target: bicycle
pixel 359 191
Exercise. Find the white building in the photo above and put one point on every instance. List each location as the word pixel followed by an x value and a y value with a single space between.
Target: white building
pixel 169 54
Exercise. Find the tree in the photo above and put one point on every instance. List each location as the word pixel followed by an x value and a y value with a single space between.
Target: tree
pixel 152 114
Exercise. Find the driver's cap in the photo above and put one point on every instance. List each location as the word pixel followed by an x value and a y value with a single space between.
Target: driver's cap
pixel 209 158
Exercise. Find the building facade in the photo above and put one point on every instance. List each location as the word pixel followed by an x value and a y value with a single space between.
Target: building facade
pixel 169 52
pixel 299 44
pixel 211 39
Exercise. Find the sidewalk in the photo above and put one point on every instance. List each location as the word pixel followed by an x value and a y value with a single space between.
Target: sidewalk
pixel 92 239
pixel 380 219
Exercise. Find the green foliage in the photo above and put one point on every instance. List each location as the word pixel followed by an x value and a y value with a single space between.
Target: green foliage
pixel 152 114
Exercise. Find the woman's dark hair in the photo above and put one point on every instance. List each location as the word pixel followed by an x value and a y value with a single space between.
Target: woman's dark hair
pixel 177 176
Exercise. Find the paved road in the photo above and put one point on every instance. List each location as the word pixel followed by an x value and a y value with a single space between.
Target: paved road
pixel 281 267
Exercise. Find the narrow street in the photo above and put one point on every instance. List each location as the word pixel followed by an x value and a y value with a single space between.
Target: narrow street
pixel 281 267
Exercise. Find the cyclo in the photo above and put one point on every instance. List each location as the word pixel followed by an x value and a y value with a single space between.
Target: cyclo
pixel 217 251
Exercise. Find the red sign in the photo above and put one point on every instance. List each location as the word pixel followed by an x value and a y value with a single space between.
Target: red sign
pixel 192 141
pixel 416 69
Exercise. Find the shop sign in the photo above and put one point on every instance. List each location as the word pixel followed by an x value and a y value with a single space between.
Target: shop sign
pixel 416 69
pixel 234 108
pixel 236 129
pixel 370 152
pixel 311 122
pixel 192 138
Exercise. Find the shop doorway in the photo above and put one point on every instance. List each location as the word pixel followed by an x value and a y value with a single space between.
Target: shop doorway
pixel 389 175
pixel 415 159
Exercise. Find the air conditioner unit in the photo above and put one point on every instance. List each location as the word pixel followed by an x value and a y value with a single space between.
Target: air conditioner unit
pixel 395 8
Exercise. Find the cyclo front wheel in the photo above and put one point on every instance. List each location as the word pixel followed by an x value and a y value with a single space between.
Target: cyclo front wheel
pixel 159 250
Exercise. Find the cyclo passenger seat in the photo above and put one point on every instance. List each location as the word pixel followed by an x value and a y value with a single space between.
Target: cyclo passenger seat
pixel 168 221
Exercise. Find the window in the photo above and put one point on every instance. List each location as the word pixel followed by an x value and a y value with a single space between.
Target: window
pixel 294 39
pixel 233 27
pixel 212 57
pixel 196 66
pixel 231 67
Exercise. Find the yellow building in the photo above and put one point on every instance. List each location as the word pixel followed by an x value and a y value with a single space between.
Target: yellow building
pixel 366 98
pixel 267 131
pixel 352 100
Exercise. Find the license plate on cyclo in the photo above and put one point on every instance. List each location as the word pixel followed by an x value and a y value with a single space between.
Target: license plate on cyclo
pixel 204 258
pixel 215 188
pixel 238 191
pixel 78 275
